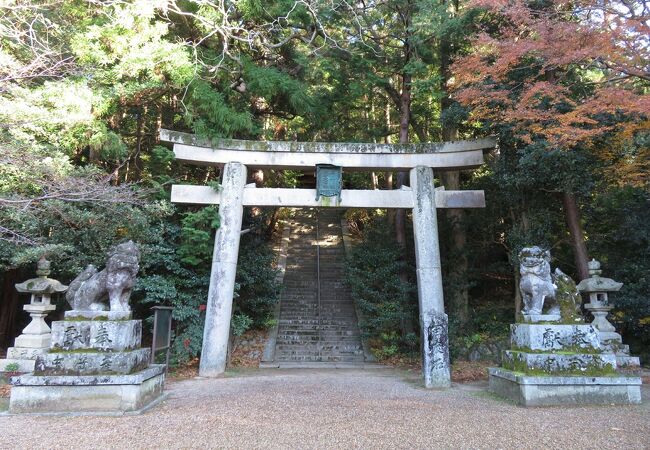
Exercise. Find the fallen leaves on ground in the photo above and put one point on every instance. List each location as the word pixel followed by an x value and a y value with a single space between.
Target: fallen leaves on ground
pixel 188 370
pixel 248 353
pixel 469 371
pixel 249 349
pixel 409 363
pixel 461 371
pixel 5 390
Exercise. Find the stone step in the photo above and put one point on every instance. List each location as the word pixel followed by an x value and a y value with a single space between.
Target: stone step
pixel 318 357
pixel 321 346
pixel 292 337
pixel 307 324
pixel 316 311
pixel 319 336
pixel 290 358
pixel 280 356
pixel 308 347
pixel 336 327
pixel 315 327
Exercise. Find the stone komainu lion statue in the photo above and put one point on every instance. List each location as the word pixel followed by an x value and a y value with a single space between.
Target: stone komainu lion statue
pixel 91 289
pixel 536 284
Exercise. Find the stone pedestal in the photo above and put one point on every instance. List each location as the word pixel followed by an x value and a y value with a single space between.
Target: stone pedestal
pixel 20 359
pixel 558 364
pixel 537 318
pixel 33 342
pixel 94 365
pixel 611 341
pixel 527 390
pixel 104 394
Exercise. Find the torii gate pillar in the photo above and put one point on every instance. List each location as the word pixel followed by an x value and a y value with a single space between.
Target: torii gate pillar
pixel 224 269
pixel 434 335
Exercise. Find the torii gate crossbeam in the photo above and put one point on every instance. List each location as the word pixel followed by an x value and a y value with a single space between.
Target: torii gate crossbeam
pixel 422 197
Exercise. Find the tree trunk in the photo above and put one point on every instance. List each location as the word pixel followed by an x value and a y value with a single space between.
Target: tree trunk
pixel 400 214
pixel 9 308
pixel 405 114
pixel 458 270
pixel 572 213
pixel 374 181
pixel 388 176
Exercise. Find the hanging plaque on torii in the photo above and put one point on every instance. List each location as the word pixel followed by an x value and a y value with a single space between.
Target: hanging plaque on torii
pixel 329 182
pixel 421 197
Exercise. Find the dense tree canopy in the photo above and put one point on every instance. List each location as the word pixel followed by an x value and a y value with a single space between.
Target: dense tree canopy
pixel 85 86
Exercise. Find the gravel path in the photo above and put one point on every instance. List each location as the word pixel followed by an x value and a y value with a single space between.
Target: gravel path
pixel 335 409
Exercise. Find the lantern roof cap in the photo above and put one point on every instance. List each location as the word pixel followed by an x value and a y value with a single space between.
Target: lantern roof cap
pixel 596 283
pixel 42 284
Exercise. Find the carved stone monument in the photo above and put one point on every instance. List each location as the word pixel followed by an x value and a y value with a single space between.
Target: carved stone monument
pixel 36 337
pixel 95 363
pixel 556 358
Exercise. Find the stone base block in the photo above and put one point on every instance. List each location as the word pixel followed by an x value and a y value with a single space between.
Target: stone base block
pixel 106 394
pixel 116 335
pixel 534 318
pixel 33 340
pixel 92 363
pixel 564 390
pixel 628 364
pixel 550 337
pixel 23 365
pixel 25 353
pixel 559 363
pixel 610 338
pixel 76 314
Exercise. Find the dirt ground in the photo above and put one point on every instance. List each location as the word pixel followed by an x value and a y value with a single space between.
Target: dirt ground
pixel 320 409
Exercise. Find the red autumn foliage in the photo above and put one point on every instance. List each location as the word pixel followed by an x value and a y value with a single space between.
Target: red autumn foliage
pixel 555 71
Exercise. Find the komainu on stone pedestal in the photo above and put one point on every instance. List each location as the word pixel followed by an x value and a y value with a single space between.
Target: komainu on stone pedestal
pixel 92 289
pixel 536 285
pixel 95 363
pixel 556 358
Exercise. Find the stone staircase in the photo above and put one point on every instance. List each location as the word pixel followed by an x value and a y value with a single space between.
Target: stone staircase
pixel 313 329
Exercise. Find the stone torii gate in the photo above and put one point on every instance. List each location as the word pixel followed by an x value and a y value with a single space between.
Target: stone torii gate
pixel 421 197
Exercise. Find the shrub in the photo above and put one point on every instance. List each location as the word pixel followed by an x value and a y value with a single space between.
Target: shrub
pixel 386 301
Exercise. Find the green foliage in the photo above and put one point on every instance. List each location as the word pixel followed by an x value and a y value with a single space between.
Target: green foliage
pixel 211 115
pixel 12 367
pixel 619 229
pixel 240 323
pixel 386 301
pixel 257 288
pixel 90 125
pixel 171 277
pixel 197 230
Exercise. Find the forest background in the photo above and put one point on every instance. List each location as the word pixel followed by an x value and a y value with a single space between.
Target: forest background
pixel 85 87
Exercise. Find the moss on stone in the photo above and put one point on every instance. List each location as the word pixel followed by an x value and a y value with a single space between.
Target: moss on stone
pixel 517 363
pixel 567 297
pixel 59 350
pixel 95 319
pixel 566 350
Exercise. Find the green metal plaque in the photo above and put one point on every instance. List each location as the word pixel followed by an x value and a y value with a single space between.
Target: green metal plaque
pixel 329 181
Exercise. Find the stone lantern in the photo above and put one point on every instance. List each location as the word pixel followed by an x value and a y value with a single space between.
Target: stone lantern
pixel 597 288
pixel 37 336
